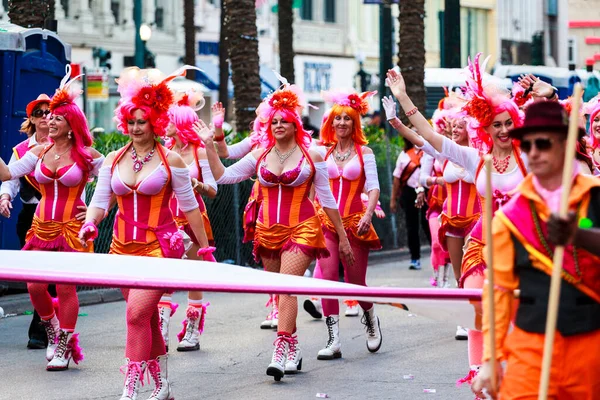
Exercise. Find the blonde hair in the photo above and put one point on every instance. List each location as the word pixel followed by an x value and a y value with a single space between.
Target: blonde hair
pixel 27 127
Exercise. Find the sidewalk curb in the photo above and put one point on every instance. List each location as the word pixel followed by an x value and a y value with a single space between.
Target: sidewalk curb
pixel 400 254
pixel 19 303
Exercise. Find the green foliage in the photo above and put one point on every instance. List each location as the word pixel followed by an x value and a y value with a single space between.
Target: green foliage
pixel 107 142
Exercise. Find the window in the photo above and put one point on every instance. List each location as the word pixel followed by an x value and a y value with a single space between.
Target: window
pixel 329 11
pixel 159 17
pixel 306 10
pixel 114 6
pixel 474 38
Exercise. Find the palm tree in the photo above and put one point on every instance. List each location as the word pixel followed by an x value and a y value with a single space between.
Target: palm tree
pixel 285 15
pixel 189 30
pixel 242 42
pixel 411 49
pixel 30 13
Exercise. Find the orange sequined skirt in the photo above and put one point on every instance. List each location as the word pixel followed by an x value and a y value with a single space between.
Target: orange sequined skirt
pixel 307 237
pixel 369 240
pixel 151 249
pixel 457 226
pixel 55 236
pixel 473 261
pixel 182 223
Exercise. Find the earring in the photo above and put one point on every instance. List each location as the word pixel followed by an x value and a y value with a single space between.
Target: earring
pixel 70 135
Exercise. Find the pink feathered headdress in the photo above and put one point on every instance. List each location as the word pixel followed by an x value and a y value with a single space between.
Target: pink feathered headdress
pixel 349 98
pixel 146 90
pixel 289 100
pixel 449 107
pixel 485 101
pixel 63 103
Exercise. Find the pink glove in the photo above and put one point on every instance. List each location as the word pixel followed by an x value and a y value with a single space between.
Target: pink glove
pixel 207 254
pixel 89 231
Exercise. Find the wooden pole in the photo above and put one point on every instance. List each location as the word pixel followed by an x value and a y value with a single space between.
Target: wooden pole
pixel 490 265
pixel 560 250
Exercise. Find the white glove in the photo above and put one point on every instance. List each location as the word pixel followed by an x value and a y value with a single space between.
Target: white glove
pixel 389 105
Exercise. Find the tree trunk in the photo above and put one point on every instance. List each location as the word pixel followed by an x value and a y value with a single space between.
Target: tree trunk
pixel 411 53
pixel 189 30
pixel 243 56
pixel 285 15
pixel 30 13
pixel 224 62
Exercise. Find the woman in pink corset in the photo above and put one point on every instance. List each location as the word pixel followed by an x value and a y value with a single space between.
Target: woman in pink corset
pixel 62 170
pixel 492 114
pixel 143 176
pixel 288 234
pixel 352 170
pixel 181 138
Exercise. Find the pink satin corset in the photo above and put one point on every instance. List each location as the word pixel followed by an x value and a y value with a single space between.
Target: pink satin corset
pixel 149 186
pixel 195 173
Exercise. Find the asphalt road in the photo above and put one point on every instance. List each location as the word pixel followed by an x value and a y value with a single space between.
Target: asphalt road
pixel 234 354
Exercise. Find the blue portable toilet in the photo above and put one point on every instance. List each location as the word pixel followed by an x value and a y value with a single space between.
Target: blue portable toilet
pixel 32 61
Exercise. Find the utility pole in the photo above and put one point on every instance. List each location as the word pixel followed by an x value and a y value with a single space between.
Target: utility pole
pixel 385 63
pixel 139 44
pixel 451 44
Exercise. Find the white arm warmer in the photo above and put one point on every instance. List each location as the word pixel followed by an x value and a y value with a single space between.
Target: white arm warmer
pixel 96 165
pixel 372 181
pixel 23 166
pixel 13 186
pixel 322 188
pixel 463 156
pixel 103 192
pixel 240 171
pixel 426 169
pixel 240 149
pixel 182 186
pixel 207 176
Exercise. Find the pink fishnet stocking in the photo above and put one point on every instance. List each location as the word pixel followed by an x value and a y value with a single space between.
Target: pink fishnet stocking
pixel 68 303
pixel 290 263
pixel 144 340
pixel 356 274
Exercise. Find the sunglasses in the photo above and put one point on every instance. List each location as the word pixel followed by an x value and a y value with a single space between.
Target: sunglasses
pixel 542 144
pixel 40 113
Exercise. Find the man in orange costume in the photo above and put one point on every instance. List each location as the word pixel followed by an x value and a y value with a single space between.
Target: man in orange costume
pixel 525 233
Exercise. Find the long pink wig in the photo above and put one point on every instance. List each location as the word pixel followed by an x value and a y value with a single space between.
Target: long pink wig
pixel 63 104
pixel 183 117
pixel 593 109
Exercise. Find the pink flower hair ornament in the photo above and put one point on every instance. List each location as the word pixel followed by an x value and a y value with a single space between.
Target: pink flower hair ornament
pixel 146 90
pixel 349 98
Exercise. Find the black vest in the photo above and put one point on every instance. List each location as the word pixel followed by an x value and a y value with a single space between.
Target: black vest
pixel 27 191
pixel 577 312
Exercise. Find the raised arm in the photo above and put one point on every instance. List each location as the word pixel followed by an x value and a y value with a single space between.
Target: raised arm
pixel 389 106
pixel 209 185
pixel 372 189
pixel 396 83
pixel 20 167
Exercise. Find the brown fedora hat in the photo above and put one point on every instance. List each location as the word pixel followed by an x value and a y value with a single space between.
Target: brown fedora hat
pixel 544 116
pixel 42 98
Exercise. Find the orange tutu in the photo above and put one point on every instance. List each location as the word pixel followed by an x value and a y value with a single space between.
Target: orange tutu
pixel 456 225
pixel 151 249
pixel 55 236
pixel 473 261
pixel 369 240
pixel 307 236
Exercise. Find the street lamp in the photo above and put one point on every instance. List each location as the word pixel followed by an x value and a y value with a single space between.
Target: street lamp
pixel 145 32
pixel 145 35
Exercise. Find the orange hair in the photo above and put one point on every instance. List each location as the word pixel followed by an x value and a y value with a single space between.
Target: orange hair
pixel 328 132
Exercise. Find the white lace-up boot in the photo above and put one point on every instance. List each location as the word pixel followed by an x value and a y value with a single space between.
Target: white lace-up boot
pixel 134 373
pixel 67 348
pixel 271 321
pixel 165 313
pixel 371 323
pixel 193 326
pixel 445 284
pixel 333 348
pixel 158 371
pixel 351 308
pixel 277 367
pixel 52 327
pixel 313 307
pixel 461 333
pixel 294 357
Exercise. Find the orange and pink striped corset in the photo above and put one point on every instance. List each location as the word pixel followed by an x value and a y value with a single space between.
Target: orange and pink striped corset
pixel 285 198
pixel 194 173
pixel 347 184
pixel 144 208
pixel 61 192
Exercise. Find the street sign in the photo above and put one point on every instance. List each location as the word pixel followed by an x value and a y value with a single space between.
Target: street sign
pixel 97 84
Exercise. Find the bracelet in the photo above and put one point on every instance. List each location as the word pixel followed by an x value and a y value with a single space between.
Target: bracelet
pixel 411 112
pixel 420 189
pixel 219 139
pixel 89 228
